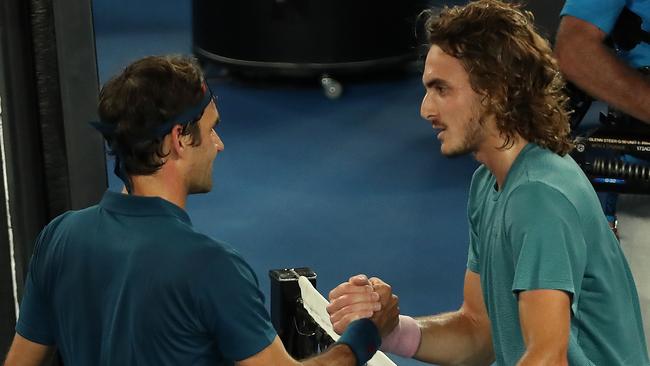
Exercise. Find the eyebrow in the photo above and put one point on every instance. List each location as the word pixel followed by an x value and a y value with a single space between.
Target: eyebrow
pixel 216 122
pixel 435 82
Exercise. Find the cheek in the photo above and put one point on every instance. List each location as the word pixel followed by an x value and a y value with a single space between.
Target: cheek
pixel 452 107
pixel 466 108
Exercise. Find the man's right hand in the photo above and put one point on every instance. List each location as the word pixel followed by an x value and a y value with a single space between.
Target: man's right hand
pixel 361 297
pixel 388 317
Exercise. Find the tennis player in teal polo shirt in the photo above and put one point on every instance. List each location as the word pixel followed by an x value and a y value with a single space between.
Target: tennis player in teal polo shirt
pixel 129 281
pixel 546 281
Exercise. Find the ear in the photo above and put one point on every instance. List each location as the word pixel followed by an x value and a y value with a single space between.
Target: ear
pixel 177 140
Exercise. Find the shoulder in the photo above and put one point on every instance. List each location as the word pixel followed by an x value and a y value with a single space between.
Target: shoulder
pixel 547 173
pixel 72 218
pixel 214 257
pixel 535 191
pixel 217 269
pixel 546 167
pixel 482 182
pixel 64 220
pixel 481 179
pixel 480 174
pixel 56 227
pixel 207 245
pixel 538 201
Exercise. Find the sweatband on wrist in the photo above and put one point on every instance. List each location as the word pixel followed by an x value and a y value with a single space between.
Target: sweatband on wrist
pixel 362 336
pixel 404 340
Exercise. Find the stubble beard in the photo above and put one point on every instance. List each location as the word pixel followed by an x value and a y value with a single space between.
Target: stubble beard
pixel 472 139
pixel 200 187
pixel 201 183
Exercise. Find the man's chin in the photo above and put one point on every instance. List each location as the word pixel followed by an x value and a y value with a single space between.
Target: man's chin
pixel 453 153
pixel 201 189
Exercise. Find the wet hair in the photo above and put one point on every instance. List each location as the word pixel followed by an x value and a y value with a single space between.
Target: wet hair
pixel 511 65
pixel 142 98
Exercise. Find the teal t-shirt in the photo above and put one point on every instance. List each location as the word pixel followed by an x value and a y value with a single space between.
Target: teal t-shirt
pixel 544 229
pixel 130 282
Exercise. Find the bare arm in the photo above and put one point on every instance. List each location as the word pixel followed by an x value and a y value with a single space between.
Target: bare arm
pixel 545 317
pixel 24 352
pixel 586 61
pixel 458 338
pixel 462 337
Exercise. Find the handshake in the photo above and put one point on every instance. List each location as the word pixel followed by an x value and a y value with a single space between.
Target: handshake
pixel 372 298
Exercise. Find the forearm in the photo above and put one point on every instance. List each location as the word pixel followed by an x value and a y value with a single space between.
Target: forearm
pixel 337 355
pixel 592 66
pixel 455 339
pixel 543 357
pixel 356 345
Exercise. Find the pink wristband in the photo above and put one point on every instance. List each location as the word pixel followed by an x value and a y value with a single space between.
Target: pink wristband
pixel 404 340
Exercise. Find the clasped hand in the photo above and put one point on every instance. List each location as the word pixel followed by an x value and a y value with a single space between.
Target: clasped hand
pixel 361 297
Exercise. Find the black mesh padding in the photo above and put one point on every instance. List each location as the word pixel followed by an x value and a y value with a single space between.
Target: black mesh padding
pixel 55 166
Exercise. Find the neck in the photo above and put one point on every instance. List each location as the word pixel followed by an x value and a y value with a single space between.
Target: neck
pixel 499 160
pixel 161 184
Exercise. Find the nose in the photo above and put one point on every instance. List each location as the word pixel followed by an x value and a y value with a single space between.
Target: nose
pixel 427 108
pixel 218 142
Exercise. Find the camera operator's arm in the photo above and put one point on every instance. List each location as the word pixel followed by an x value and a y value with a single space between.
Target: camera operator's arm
pixel 585 60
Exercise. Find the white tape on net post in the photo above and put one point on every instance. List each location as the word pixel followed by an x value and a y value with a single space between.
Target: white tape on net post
pixel 316 305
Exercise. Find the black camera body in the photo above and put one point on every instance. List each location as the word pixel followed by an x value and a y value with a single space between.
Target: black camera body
pixel 615 156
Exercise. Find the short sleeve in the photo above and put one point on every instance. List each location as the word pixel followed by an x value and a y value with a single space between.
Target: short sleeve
pixel 473 263
pixel 480 180
pixel 601 13
pixel 548 248
pixel 231 307
pixel 35 319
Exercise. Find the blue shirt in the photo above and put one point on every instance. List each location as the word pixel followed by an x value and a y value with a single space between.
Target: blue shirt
pixel 544 229
pixel 130 282
pixel 604 13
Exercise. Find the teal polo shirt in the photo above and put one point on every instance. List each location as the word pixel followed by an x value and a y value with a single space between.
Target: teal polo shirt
pixel 130 282
pixel 544 229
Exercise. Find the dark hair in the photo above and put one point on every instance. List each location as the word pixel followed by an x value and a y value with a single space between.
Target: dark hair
pixel 511 65
pixel 148 93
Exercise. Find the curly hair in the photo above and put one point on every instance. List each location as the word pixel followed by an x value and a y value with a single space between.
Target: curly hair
pixel 148 93
pixel 511 65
